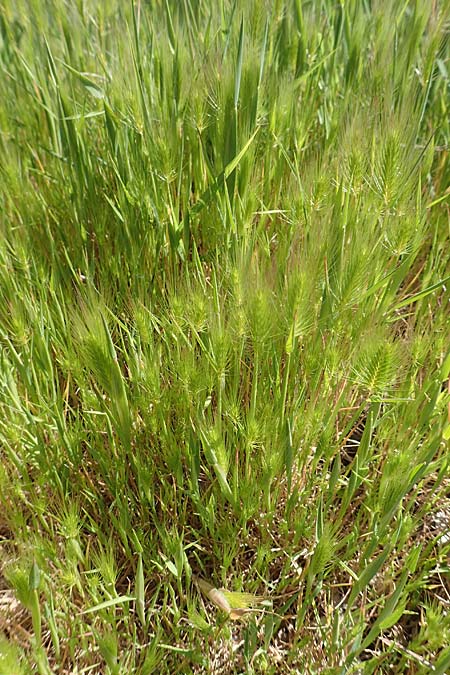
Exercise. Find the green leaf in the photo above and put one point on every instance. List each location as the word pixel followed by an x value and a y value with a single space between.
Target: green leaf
pixel 120 600
pixel 172 568
pixel 367 575
pixel 421 294
pixel 91 86
pixel 392 619
pixel 442 664
pixel 237 82
pixel 140 591
pixel 445 368
pixel 35 577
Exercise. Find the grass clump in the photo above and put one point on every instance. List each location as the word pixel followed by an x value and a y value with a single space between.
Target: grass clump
pixel 224 337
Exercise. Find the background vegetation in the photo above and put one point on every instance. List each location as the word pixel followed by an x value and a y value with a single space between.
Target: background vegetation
pixel 224 329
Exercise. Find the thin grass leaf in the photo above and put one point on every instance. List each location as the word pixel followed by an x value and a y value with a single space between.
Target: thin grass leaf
pixel 421 294
pixel 140 591
pixel 240 58
pixel 120 600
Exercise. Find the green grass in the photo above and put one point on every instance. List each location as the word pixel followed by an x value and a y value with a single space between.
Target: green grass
pixel 224 335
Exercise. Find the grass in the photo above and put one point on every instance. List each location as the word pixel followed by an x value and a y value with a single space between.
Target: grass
pixel 224 328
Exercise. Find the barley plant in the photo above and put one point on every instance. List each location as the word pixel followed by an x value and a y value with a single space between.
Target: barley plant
pixel 224 337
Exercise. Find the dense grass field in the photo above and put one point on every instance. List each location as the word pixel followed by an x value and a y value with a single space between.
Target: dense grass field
pixel 224 337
